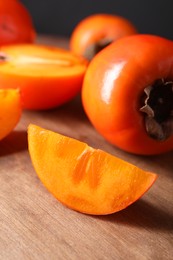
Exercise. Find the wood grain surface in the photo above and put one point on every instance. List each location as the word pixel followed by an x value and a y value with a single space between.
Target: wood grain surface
pixel 34 225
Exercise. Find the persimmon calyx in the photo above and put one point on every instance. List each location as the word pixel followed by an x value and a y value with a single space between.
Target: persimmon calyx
pixel 96 47
pixel 158 109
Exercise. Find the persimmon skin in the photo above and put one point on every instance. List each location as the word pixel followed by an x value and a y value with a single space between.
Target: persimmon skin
pixel 85 179
pixel 16 25
pixel 10 110
pixel 113 87
pixel 99 27
pixel 46 76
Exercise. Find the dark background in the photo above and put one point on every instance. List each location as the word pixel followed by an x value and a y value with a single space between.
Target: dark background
pixel 60 17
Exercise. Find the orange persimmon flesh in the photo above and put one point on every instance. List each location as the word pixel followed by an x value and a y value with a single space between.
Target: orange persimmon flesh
pixel 85 179
pixel 47 76
pixel 10 110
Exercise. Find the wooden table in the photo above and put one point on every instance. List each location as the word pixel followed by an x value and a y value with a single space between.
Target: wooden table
pixel 34 225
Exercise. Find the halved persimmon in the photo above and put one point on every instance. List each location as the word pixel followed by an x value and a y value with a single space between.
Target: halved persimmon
pixel 10 110
pixel 97 31
pixel 46 76
pixel 85 179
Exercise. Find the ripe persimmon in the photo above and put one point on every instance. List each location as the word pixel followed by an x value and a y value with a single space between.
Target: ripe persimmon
pixel 97 31
pixel 128 94
pixel 46 76
pixel 10 110
pixel 16 24
pixel 83 178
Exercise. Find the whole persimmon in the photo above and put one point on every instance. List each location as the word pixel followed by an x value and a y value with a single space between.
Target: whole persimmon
pixel 16 24
pixel 128 94
pixel 97 31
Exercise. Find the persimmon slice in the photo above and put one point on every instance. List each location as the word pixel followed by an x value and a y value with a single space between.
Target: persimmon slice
pixel 47 76
pixel 10 110
pixel 85 179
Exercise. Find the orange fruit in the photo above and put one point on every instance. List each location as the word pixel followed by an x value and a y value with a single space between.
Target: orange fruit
pixel 47 76
pixel 10 110
pixel 16 23
pixel 85 179
pixel 96 31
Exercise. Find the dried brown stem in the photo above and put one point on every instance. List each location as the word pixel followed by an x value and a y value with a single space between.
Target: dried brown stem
pixel 158 109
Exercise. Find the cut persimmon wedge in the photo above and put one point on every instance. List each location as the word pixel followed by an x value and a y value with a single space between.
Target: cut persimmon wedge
pixel 10 110
pixel 46 76
pixel 85 179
